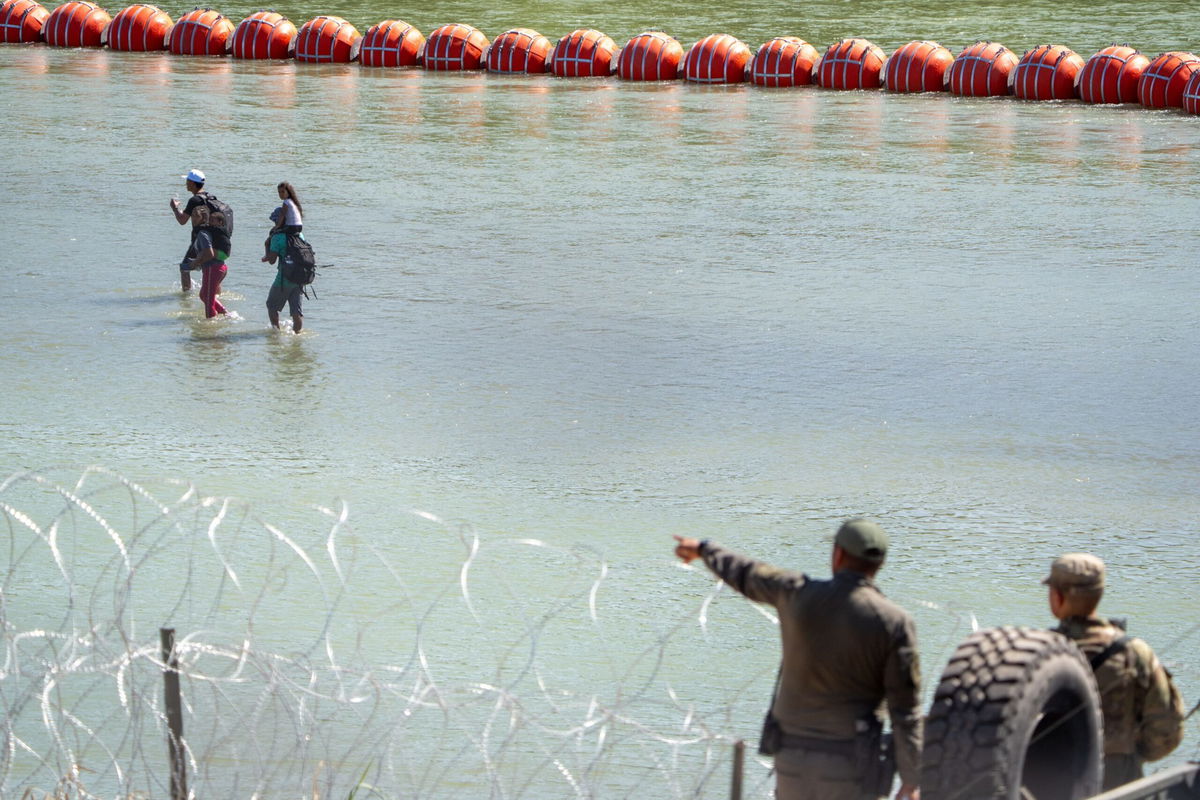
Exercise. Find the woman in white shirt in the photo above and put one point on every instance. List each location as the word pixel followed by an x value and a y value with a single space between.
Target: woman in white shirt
pixel 288 218
pixel 288 222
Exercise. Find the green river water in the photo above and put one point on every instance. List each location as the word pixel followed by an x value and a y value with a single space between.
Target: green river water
pixel 429 539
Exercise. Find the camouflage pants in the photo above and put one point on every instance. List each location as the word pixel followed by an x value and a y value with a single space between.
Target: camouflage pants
pixel 804 775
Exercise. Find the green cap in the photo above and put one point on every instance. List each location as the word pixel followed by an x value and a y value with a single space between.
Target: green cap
pixel 1076 570
pixel 863 539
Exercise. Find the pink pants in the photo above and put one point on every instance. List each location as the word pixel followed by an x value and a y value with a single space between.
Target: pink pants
pixel 210 287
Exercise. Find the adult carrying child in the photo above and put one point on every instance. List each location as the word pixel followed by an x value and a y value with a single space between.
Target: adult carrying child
pixel 281 246
pixel 212 232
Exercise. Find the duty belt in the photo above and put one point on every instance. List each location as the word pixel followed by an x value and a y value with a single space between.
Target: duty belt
pixel 837 747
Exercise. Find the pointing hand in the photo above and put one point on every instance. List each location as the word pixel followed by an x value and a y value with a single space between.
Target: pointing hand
pixel 687 549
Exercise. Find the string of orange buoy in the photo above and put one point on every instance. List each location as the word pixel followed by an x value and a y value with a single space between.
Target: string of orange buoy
pixel 1116 74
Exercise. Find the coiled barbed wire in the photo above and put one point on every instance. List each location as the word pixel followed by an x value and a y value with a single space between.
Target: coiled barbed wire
pixel 320 662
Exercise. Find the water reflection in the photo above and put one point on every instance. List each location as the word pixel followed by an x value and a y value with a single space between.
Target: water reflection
pixel 392 98
pixel 583 109
pixel 1054 142
pixel 657 104
pixel 784 120
pixel 865 124
pixel 210 343
pixel 717 115
pixel 272 84
pixel 460 106
pixel 295 363
pixel 148 69
pixel 1177 158
pixel 84 62
pixel 1122 141
pixel 204 73
pixel 598 102
pixel 524 112
pixel 985 128
pixel 34 60
pixel 849 123
pixel 153 76
pixel 334 88
pixel 921 123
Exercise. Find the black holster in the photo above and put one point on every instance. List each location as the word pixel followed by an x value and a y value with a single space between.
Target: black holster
pixel 874 756
pixel 771 740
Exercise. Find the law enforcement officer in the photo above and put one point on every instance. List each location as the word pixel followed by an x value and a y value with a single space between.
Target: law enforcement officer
pixel 1143 712
pixel 846 649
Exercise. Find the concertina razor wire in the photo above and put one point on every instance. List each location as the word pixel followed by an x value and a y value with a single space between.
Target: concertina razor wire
pixel 437 664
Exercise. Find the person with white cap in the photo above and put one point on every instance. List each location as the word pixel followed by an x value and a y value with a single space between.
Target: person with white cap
pixel 847 650
pixel 194 180
pixel 1142 709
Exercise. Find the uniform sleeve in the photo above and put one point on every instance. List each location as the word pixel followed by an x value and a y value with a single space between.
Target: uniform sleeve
pixel 1161 719
pixel 902 684
pixel 757 580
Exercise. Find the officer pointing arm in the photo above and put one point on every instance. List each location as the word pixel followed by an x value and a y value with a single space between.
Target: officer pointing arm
pixel 846 649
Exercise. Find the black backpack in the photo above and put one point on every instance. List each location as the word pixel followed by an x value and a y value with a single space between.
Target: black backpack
pixel 217 218
pixel 298 263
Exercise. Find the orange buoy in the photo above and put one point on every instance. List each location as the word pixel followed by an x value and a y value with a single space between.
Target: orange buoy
pixel 139 28
pixel 918 67
pixel 585 53
pixel 201 32
pixel 1112 75
pixel 1047 72
pixel 650 56
pixel 519 50
pixel 327 40
pixel 391 43
pixel 981 70
pixel 22 21
pixel 76 23
pixel 455 47
pixel 850 64
pixel 718 58
pixel 784 61
pixel 1191 94
pixel 264 34
pixel 1161 84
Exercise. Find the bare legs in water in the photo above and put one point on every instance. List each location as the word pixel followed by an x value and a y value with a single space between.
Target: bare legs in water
pixel 297 320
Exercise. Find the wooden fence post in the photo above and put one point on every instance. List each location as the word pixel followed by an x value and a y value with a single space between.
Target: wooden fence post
pixel 739 759
pixel 174 708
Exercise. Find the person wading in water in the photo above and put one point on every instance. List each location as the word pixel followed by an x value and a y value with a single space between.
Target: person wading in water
pixel 194 181
pixel 288 222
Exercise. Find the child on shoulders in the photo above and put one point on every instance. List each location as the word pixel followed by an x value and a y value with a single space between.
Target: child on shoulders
pixel 288 219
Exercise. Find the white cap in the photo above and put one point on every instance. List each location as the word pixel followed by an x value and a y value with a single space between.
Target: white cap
pixel 195 176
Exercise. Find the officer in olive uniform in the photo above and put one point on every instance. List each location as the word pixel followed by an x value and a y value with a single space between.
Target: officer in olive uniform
pixel 1143 712
pixel 846 649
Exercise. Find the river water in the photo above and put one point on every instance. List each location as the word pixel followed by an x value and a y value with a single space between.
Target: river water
pixel 590 314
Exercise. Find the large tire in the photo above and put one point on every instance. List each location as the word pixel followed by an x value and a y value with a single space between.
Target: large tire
pixel 1016 715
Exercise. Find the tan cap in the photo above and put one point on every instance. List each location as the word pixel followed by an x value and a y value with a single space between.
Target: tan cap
pixel 1082 570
